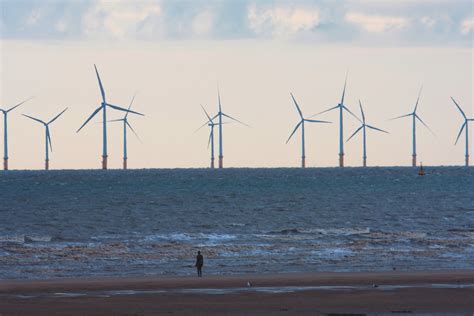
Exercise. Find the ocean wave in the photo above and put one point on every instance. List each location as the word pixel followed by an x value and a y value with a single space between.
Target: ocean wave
pixel 322 231
pixel 187 237
pixel 25 239
pixel 461 230
pixel 332 253
pixel 339 231
pixel 285 231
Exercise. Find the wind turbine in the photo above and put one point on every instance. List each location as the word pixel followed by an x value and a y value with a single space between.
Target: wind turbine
pixel 301 123
pixel 5 132
pixel 103 106
pixel 414 118
pixel 341 108
pixel 363 127
pixel 48 136
pixel 466 126
pixel 126 125
pixel 219 115
pixel 211 124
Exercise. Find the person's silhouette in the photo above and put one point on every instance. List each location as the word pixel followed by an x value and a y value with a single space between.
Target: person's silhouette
pixel 199 263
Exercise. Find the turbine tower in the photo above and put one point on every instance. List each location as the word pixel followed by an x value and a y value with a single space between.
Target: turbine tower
pixel 301 123
pixel 219 115
pixel 48 136
pixel 414 118
pixel 5 132
pixel 465 125
pixel 126 125
pixel 103 106
pixel 211 124
pixel 341 108
pixel 363 127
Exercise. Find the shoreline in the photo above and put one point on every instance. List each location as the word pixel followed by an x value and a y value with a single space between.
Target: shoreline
pixel 239 280
pixel 447 291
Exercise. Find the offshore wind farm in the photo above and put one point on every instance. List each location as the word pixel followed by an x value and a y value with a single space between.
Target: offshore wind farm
pixel 217 121
pixel 248 157
pixel 103 107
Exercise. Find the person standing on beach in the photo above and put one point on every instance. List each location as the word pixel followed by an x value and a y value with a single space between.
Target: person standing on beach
pixel 199 263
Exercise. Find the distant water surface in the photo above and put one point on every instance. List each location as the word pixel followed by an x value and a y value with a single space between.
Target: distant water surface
pixel 151 222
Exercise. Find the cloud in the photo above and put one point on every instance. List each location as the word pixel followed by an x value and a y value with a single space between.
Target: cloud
pixel 281 21
pixel 121 19
pixel 467 25
pixel 424 22
pixel 34 17
pixel 60 26
pixel 203 22
pixel 428 21
pixel 376 23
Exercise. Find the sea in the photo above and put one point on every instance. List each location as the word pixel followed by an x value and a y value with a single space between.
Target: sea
pixel 151 222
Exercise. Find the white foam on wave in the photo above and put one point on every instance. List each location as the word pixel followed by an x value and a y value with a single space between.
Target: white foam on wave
pixel 199 237
pixel 25 238
pixel 332 253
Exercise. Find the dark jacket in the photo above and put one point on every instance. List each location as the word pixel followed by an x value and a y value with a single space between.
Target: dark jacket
pixel 199 261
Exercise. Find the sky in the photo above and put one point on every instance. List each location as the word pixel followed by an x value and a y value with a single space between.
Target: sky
pixel 174 54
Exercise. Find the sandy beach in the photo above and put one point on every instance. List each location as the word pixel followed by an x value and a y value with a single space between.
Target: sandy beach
pixel 447 292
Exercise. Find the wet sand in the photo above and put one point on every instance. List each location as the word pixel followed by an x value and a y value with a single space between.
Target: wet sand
pixel 447 292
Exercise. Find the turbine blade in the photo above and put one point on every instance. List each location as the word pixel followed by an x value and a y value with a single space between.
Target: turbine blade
pixel 235 119
pixel 424 124
pixel 117 120
pixel 90 117
pixel 128 124
pixel 460 132
pixel 100 84
pixel 316 121
pixel 325 111
pixel 462 112
pixel 377 129
pixel 207 123
pixel 131 102
pixel 54 119
pixel 14 107
pixel 205 112
pixel 362 112
pixel 297 125
pixel 344 90
pixel 34 119
pixel 297 107
pixel 122 109
pixel 210 137
pixel 357 130
pixel 49 138
pixel 219 97
pixel 418 99
pixel 345 108
pixel 395 118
